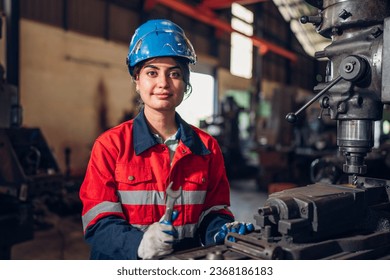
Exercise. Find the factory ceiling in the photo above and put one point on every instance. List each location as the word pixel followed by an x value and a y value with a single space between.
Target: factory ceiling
pixel 292 11
pixel 204 12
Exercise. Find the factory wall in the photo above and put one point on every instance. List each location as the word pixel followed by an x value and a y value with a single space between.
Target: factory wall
pixel 72 87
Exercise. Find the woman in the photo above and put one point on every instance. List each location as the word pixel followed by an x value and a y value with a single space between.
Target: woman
pixel 132 164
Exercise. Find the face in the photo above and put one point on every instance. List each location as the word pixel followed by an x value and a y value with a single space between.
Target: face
pixel 160 84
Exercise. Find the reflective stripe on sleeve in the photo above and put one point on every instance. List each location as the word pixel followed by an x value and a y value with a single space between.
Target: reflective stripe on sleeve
pixel 212 209
pixel 103 207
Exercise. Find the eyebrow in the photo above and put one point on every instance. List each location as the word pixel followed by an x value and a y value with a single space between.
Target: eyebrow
pixel 155 67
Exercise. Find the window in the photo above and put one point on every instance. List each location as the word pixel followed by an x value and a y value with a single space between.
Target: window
pixel 200 104
pixel 241 53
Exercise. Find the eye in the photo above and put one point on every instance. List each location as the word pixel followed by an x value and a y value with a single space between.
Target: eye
pixel 175 74
pixel 151 73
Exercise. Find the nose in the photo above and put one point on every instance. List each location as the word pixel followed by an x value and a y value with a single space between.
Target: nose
pixel 163 81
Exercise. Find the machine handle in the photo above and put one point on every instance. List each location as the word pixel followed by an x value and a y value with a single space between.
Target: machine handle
pixel 292 117
pixel 352 68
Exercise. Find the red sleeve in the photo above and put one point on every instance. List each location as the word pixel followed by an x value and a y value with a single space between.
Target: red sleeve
pixel 98 190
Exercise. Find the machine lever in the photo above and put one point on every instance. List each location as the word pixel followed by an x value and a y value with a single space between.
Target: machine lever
pixel 292 117
pixel 352 68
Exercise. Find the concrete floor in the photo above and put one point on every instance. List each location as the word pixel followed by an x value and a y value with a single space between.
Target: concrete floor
pixel 62 238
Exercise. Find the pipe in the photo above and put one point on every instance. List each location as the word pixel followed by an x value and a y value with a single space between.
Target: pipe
pixel 11 9
pixel 220 4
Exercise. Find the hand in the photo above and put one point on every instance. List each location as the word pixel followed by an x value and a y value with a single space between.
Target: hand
pixel 174 216
pixel 158 239
pixel 238 227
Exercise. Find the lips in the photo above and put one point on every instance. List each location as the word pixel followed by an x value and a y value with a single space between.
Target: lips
pixel 163 95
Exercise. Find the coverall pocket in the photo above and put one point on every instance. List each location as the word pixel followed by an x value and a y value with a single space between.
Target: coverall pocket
pixel 134 194
pixel 195 179
pixel 133 174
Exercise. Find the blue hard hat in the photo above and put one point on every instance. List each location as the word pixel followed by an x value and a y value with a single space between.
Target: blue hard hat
pixel 156 38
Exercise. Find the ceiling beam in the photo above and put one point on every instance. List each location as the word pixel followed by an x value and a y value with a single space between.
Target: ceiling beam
pixel 222 4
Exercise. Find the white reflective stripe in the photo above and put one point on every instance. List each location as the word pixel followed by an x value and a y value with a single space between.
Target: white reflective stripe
pixel 186 231
pixel 141 197
pixel 103 207
pixel 212 209
pixel 158 198
pixel 192 197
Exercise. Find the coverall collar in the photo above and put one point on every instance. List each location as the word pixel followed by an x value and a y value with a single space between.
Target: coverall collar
pixel 143 138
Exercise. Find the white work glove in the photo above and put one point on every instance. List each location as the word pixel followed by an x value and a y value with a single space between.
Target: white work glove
pixel 238 227
pixel 158 239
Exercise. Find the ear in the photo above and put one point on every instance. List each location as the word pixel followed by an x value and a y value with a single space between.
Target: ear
pixel 136 81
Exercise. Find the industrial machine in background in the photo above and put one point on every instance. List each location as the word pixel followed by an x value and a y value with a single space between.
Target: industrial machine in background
pixel 31 182
pixel 225 128
pixel 327 220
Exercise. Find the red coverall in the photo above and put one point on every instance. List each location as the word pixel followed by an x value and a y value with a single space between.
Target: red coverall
pixel 124 188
